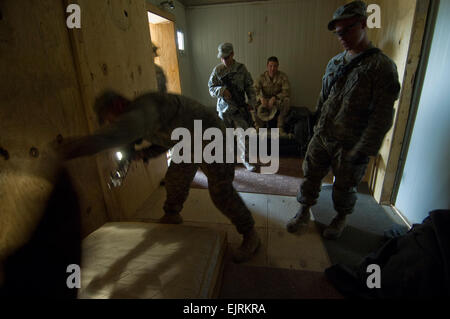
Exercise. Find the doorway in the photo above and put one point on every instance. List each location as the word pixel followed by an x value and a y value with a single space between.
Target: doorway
pixel 162 34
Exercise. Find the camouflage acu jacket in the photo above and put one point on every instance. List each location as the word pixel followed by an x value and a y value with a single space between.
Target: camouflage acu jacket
pixel 278 86
pixel 152 117
pixel 359 109
pixel 241 79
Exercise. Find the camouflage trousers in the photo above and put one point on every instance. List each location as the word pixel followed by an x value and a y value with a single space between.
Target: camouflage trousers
pixel 321 155
pixel 220 185
pixel 236 120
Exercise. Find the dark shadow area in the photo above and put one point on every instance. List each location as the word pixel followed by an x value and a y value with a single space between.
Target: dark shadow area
pixel 251 282
pixel 39 268
pixel 365 230
pixel 413 265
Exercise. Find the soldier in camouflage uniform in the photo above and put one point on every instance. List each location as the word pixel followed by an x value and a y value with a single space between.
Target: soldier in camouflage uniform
pixel 354 111
pixel 229 83
pixel 273 91
pixel 152 118
pixel 161 79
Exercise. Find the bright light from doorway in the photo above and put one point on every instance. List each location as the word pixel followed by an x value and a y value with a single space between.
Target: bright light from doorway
pixel 180 38
pixel 119 156
pixel 155 19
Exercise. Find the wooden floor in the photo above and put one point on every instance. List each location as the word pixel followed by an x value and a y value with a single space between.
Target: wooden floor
pixel 271 213
pixel 140 258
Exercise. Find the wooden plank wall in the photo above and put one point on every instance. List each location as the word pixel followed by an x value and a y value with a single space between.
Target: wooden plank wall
pixel 113 51
pixel 40 98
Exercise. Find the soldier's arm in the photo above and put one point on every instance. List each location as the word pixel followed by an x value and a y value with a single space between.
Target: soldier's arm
pixel 319 104
pixel 249 88
pixel 161 79
pixel 321 99
pixel 258 89
pixel 128 128
pixel 285 89
pixel 385 91
pixel 149 152
pixel 215 85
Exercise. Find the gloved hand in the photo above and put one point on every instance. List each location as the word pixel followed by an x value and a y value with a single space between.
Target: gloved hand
pixel 272 102
pixel 227 95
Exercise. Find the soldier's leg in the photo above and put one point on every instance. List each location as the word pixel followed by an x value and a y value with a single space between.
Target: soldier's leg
pixel 177 182
pixel 228 201
pixel 316 165
pixel 347 177
pixel 243 143
pixel 283 107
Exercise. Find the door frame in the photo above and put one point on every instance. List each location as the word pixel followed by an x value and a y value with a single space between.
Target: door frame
pixel 417 91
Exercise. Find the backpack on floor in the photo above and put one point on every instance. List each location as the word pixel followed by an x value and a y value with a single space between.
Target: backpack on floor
pixel 299 123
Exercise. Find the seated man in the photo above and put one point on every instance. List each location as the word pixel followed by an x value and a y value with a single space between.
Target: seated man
pixel 272 93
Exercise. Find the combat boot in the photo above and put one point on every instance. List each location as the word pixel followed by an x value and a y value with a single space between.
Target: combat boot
pixel 300 219
pixel 171 219
pixel 248 248
pixel 334 230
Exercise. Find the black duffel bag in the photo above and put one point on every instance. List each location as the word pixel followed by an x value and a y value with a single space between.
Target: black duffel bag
pixel 299 122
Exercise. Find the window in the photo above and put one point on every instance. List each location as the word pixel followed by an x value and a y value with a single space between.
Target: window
pixel 180 40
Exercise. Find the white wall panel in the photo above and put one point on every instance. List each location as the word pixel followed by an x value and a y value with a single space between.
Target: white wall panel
pixel 425 183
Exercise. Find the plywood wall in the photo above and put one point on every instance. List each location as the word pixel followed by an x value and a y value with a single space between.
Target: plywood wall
pixel 40 99
pixel 113 51
pixel 50 76
pixel 294 31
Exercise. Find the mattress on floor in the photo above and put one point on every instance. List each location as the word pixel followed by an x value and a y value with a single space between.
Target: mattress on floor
pixel 149 261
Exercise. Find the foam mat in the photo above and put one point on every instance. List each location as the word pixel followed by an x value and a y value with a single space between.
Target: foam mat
pixel 151 261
